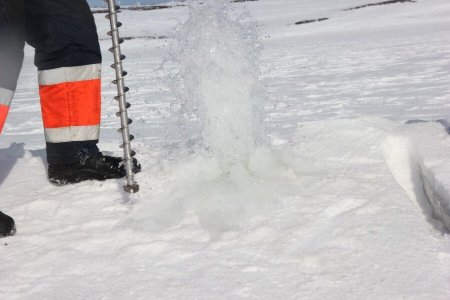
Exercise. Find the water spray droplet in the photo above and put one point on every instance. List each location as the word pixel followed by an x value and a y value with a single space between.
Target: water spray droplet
pixel 218 81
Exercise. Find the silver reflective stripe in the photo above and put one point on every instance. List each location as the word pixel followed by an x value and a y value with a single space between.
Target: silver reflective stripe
pixel 72 134
pixel 69 74
pixel 6 96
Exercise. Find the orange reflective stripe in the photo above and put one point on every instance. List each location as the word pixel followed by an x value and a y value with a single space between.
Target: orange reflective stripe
pixel 3 113
pixel 71 103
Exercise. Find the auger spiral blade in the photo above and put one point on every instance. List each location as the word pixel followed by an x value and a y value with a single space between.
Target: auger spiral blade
pixel 113 9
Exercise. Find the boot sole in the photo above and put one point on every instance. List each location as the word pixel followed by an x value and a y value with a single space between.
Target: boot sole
pixel 84 175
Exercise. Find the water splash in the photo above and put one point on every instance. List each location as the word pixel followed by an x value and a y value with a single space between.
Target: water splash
pixel 218 81
pixel 221 108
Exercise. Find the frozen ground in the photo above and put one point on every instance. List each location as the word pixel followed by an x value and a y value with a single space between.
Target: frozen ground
pixel 337 209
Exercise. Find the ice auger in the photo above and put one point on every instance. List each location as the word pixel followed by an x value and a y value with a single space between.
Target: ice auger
pixel 113 9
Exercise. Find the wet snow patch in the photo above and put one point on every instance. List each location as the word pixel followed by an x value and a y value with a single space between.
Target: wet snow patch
pixel 310 21
pixel 197 190
pixel 380 3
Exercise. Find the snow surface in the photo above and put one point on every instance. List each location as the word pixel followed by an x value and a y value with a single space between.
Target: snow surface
pixel 336 207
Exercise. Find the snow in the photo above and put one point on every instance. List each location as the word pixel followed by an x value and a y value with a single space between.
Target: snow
pixel 346 202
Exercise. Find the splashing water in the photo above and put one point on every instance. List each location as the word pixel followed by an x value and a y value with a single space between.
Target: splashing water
pixel 221 101
pixel 218 81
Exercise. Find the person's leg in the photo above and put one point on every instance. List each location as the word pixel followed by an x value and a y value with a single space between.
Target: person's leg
pixel 11 57
pixel 11 51
pixel 68 58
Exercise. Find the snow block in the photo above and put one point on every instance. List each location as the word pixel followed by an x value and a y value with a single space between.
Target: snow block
pixel 432 143
pixel 436 188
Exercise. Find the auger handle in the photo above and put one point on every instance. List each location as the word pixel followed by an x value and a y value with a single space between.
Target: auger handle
pixel 132 186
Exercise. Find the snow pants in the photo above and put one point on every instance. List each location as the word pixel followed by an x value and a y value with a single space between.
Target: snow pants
pixel 68 59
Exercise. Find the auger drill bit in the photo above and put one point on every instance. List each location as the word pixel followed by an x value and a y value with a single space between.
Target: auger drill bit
pixel 132 186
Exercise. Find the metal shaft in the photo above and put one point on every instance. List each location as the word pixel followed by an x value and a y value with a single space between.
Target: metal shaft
pixel 132 186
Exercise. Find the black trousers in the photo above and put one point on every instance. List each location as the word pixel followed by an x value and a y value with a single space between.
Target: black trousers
pixel 67 55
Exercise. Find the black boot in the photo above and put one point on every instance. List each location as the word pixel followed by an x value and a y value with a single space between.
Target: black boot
pixel 92 166
pixel 7 225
